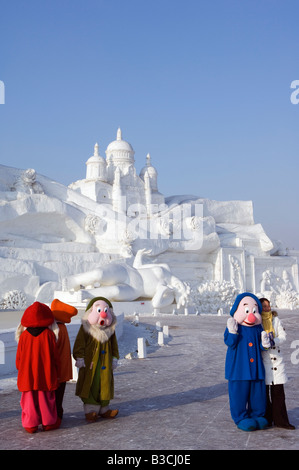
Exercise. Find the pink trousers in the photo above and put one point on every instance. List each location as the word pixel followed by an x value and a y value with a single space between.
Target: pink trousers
pixel 38 408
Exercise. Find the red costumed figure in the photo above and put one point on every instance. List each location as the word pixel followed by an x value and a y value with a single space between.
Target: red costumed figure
pixel 37 362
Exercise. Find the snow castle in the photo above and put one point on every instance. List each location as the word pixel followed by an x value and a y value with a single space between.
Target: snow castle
pixel 114 234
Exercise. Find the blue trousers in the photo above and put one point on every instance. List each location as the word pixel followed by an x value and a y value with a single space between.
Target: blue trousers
pixel 247 399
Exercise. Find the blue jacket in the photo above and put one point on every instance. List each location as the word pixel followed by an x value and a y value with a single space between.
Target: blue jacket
pixel 244 357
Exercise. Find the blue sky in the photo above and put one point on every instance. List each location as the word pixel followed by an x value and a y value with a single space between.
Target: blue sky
pixel 202 85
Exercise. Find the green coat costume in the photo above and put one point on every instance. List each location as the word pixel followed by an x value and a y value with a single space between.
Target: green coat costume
pixel 95 381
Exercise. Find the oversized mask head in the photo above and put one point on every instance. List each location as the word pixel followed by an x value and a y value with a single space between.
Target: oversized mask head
pixel 247 310
pixel 100 314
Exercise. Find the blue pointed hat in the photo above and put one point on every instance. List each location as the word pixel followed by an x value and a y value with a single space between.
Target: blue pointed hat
pixel 240 297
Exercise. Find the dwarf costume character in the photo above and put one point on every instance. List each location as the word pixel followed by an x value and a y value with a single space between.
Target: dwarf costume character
pixel 96 354
pixel 244 368
pixel 37 362
pixel 63 313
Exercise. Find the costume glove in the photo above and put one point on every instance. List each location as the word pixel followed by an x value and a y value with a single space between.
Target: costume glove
pixel 232 326
pixel 80 362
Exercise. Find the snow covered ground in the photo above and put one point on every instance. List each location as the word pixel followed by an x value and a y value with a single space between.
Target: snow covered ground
pixel 127 344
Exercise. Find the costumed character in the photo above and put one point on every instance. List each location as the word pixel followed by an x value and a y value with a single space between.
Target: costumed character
pixel 244 368
pixel 96 354
pixel 274 368
pixel 62 313
pixel 37 362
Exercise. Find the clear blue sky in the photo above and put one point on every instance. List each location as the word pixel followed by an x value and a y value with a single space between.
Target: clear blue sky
pixel 202 85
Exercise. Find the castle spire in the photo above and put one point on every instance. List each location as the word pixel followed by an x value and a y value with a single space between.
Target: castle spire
pixel 148 160
pixel 148 193
pixel 96 150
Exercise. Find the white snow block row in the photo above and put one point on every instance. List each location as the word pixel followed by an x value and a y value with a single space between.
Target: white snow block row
pixel 160 338
pixel 141 347
pixel 165 331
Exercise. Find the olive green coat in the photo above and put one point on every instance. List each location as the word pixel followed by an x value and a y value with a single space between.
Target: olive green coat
pixel 92 351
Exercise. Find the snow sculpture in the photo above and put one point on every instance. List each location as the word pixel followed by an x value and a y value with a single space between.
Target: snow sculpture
pixel 213 296
pixel 27 183
pixel 287 299
pixel 287 284
pixel 97 231
pixel 267 281
pixel 13 300
pixel 122 282
pixel 236 274
pixel 280 290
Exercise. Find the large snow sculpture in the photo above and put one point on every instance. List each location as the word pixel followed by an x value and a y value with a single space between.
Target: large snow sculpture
pixel 122 282
pixel 97 231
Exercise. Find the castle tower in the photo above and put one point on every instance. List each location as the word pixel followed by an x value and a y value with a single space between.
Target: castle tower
pixel 96 166
pixel 148 194
pixel 119 154
pixel 152 173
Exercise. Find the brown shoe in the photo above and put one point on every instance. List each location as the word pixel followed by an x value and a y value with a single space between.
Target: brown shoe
pixel 109 414
pixel 91 417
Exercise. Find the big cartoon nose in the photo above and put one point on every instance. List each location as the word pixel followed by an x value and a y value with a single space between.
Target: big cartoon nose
pixel 103 315
pixel 251 318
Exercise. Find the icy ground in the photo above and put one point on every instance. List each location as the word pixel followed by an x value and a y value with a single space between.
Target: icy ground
pixel 127 345
pixel 175 399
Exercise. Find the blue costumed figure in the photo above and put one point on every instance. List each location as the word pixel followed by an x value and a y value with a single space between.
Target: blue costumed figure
pixel 244 368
